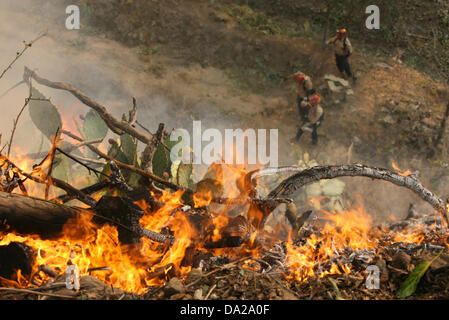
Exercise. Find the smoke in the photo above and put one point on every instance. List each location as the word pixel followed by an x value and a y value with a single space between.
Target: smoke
pixel 104 70
pixel 112 74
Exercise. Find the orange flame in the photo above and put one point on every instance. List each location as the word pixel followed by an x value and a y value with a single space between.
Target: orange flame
pixel 404 174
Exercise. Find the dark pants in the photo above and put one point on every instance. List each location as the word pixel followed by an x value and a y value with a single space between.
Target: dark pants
pixel 302 111
pixel 343 64
pixel 314 130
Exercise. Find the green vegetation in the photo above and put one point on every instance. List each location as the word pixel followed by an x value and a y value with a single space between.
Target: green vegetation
pixel 255 20
pixel 145 50
pixel 261 78
pixel 419 28
pixel 410 285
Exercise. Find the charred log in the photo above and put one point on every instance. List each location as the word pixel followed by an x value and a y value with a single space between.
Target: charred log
pixel 16 256
pixel 126 215
pixel 28 215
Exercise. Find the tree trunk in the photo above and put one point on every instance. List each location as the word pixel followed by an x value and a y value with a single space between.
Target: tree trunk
pixel 28 215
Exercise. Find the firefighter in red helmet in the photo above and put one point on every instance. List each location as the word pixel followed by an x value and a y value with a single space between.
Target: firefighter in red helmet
pixel 343 50
pixel 313 117
pixel 304 90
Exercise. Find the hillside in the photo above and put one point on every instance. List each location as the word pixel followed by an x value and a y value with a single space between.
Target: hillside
pixel 222 62
pixel 230 56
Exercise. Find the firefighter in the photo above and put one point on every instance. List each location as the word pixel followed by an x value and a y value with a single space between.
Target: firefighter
pixel 314 115
pixel 343 50
pixel 304 90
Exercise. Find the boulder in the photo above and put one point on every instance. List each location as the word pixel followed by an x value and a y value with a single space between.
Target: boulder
pixel 337 80
pixel 383 65
pixel 333 88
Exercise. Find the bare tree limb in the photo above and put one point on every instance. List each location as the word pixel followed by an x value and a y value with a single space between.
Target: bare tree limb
pixel 79 162
pixel 133 113
pixel 299 180
pixel 84 143
pixel 84 159
pixel 51 157
pixel 157 237
pixel 16 121
pixel 152 134
pixel 150 149
pixel 19 54
pixel 31 215
pixel 117 126
pixel 71 149
pixel 129 167
pixel 88 190
pixel 56 182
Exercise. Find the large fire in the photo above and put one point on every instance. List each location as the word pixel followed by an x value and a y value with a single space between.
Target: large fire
pixel 131 268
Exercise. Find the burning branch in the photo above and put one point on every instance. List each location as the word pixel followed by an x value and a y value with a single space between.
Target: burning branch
pixel 56 182
pixel 51 157
pixel 29 215
pixel 127 166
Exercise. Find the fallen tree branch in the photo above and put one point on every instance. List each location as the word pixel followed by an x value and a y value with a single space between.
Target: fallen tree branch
pixel 27 215
pixel 158 237
pixel 26 291
pixel 79 162
pixel 56 182
pixel 51 157
pixel 88 190
pixel 299 180
pixel 84 143
pixel 69 150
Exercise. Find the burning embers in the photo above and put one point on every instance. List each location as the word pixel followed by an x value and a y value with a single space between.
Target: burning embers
pixel 334 243
pixel 145 223
pixel 135 239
